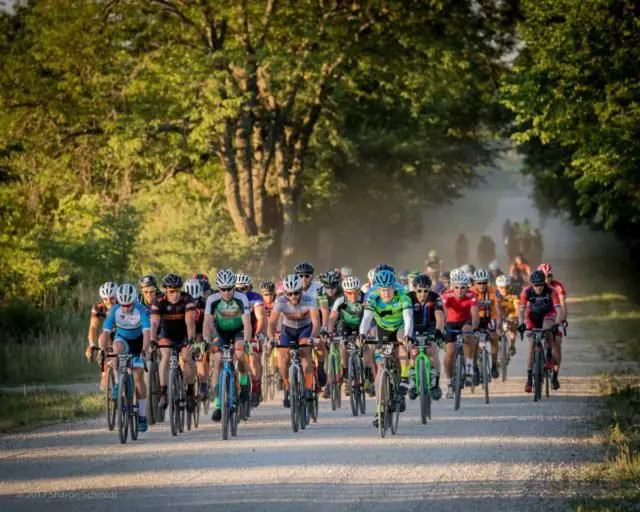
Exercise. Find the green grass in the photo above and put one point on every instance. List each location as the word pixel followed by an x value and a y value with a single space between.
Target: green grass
pixel 25 411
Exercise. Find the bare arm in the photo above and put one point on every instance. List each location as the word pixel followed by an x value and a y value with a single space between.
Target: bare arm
pixel 325 311
pixel 333 318
pixel 155 323
pixel 272 324
pixel 475 317
pixel 207 327
pixel 246 322
pixel 440 320
pixel 259 312
pixel 315 323
pixel 93 328
pixel 190 319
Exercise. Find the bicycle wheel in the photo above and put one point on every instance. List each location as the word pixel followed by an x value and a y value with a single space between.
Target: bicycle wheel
pixel 354 395
pixel 302 404
pixel 486 375
pixel 424 391
pixel 313 405
pixel 234 415
pixel 504 354
pixel 134 412
pixel 266 372
pixel 458 372
pixel 338 371
pixel 110 404
pixel 196 411
pixel 294 398
pixel 122 407
pixel 363 395
pixel 225 405
pixel 537 375
pixel 173 403
pixel 383 403
pixel 148 383
pixel 183 400
pixel 331 379
pixel 394 417
pixel 547 379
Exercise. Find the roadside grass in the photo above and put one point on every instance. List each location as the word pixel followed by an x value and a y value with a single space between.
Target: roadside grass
pixel 597 297
pixel 616 481
pixel 32 409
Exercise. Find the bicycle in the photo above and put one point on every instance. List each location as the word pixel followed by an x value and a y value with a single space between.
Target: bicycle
pixel 228 393
pixel 269 377
pixel 193 417
pixel 503 351
pixel 458 368
pixel 155 413
pixel 423 375
pixel 483 344
pixel 298 409
pixel 356 377
pixel 542 364
pixel 244 399
pixel 109 401
pixel 176 396
pixel 389 394
pixel 127 403
pixel 334 372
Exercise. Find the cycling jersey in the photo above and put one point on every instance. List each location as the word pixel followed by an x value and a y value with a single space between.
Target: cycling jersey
pixel 396 285
pixel 544 304
pixel 99 310
pixel 424 315
pixel 147 306
pixel 313 290
pixel 228 315
pixel 509 303
pixel 326 300
pixel 173 325
pixel 255 300
pixel 520 272
pixel 458 309
pixel 349 312
pixel 559 288
pixel 299 315
pixel 486 301
pixel 129 326
pixel 200 305
pixel 388 315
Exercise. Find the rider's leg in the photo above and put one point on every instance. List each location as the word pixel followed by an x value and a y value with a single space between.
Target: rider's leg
pixel 163 369
pixel 307 364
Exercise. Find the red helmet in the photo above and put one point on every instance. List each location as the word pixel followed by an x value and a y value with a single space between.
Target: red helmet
pixel 545 268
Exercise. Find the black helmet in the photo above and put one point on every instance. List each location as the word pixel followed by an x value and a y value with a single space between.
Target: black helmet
pixel 384 266
pixel 330 279
pixel 206 286
pixel 201 277
pixel 172 281
pixel 422 281
pixel 303 268
pixel 268 287
pixel 148 280
pixel 537 277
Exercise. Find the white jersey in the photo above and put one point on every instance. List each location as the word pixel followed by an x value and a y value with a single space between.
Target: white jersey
pixel 296 316
pixel 314 290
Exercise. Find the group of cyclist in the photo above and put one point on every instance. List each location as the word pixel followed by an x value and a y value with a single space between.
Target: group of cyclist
pixel 309 310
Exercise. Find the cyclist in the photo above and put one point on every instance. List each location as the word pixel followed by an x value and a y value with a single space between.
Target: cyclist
pixel 345 318
pixel 443 284
pixel 194 288
pixel 434 262
pixel 428 317
pixel 539 309
pixel 494 271
pixel 562 296
pixel 301 324
pixel 131 322
pixel 411 276
pixel 392 311
pixel 256 305
pixel 461 308
pixel 100 310
pixel 149 291
pixel 173 320
pixel 490 314
pixel 204 282
pixel 519 272
pixel 327 296
pixel 227 321
pixel 268 292
pixel 367 286
pixel 510 304
pixel 396 284
pixel 403 279
pixel 346 272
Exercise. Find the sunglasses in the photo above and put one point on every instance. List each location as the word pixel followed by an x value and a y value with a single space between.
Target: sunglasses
pixel 224 290
pixel 421 290
pixel 268 294
pixel 292 294
pixel 172 291
pixel 242 289
pixel 148 292
pixel 351 292
pixel 538 285
pixel 305 276
pixel 482 283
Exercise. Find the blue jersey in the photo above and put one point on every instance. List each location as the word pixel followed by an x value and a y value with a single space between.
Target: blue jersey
pixel 129 326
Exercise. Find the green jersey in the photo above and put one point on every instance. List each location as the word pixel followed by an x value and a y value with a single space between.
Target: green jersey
pixel 350 312
pixel 325 300
pixel 228 315
pixel 388 315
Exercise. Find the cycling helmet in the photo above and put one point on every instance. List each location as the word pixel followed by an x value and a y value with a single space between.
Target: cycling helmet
pixel 384 266
pixel 446 275
pixel 193 288
pixel 201 277
pixel 225 278
pixel 545 268
pixel 108 290
pixel 268 287
pixel 537 277
pixel 422 281
pixel 481 275
pixel 384 279
pixel 460 277
pixel 126 294
pixel 303 268
pixel 371 274
pixel 351 283
pixel 493 266
pixel 467 269
pixel 404 275
pixel 206 285
pixel 147 280
pixel 330 279
pixel 172 281
pixel 503 281
pixel 292 283
pixel 433 255
pixel 346 272
pixel 243 280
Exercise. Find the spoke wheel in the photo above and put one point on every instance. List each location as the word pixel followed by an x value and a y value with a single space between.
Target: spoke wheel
pixel 294 398
pixel 111 405
pixel 225 405
pixel 173 401
pixel 459 377
pixel 383 404
pixel 486 374
pixel 354 395
pixel 394 418
pixel 123 408
pixel 425 392
pixel 537 375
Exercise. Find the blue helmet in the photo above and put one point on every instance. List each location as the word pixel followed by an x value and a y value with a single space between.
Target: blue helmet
pixel 384 279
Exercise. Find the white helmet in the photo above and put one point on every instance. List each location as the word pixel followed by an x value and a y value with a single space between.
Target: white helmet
pixel 126 294
pixel 466 269
pixel 351 283
pixel 225 278
pixel 493 266
pixel 243 279
pixel 481 275
pixel 108 290
pixel 371 274
pixel 292 283
pixel 460 277
pixel 503 281
pixel 193 287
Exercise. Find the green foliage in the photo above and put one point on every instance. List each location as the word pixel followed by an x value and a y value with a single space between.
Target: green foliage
pixel 576 95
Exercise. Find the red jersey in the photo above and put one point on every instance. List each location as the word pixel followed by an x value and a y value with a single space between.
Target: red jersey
pixel 458 310
pixel 559 288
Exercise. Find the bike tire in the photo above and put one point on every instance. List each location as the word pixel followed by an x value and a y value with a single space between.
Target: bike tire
pixel 394 417
pixel 331 379
pixel 486 375
pixel 363 395
pixel 122 406
pixel 537 375
pixel 353 385
pixel 338 361
pixel 111 405
pixel 134 412
pixel 504 350
pixel 459 376
pixel 225 405
pixel 294 398
pixel 183 400
pixel 302 404
pixel 196 410
pixel 148 383
pixel 383 403
pixel 173 403
pixel 422 379
pixel 234 418
pixel 547 379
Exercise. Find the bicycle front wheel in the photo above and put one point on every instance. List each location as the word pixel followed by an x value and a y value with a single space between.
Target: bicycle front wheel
pixel 332 382
pixel 504 355
pixel 538 363
pixel 173 400
pixel 302 404
pixel 383 403
pixel 111 405
pixel 196 411
pixel 123 408
pixel 362 395
pixel 294 398
pixel 425 392
pixel 394 417
pixel 486 375
pixel 134 412
pixel 354 396
pixel 458 378
pixel 225 405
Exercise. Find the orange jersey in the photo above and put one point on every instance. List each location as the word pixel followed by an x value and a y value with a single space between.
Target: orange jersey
pixel 486 301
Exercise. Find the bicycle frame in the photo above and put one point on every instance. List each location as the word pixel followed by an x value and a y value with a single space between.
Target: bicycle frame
pixel 228 367
pixel 423 342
